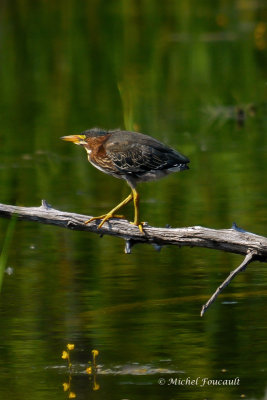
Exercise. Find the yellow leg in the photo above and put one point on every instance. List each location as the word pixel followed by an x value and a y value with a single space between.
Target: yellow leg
pixel 136 211
pixel 111 213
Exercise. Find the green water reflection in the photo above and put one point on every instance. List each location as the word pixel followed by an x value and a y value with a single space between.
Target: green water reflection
pixel 192 74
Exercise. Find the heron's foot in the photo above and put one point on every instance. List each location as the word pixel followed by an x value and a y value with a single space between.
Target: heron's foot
pixel 140 226
pixel 104 217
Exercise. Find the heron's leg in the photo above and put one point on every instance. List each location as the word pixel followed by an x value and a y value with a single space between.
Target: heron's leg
pixel 136 211
pixel 111 213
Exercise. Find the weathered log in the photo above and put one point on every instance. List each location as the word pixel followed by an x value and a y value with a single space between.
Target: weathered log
pixel 233 240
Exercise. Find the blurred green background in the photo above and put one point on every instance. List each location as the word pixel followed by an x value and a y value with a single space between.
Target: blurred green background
pixel 193 75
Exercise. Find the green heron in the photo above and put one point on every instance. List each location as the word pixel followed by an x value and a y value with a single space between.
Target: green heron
pixel 131 156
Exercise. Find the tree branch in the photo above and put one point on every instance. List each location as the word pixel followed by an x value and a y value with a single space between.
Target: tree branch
pixel 233 240
pixel 242 267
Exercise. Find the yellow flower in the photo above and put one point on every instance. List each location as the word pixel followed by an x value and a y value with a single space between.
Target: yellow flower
pixel 66 386
pixel 72 395
pixel 89 370
pixel 70 346
pixel 65 355
pixel 95 353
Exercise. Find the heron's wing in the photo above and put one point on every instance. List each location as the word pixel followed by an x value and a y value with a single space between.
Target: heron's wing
pixel 138 154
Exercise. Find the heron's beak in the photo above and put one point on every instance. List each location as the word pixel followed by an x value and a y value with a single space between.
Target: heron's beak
pixel 77 139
